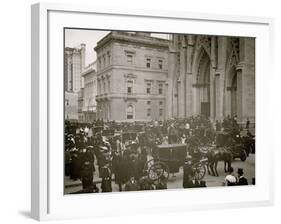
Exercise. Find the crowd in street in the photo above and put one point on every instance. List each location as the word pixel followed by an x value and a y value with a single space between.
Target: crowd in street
pixel 118 152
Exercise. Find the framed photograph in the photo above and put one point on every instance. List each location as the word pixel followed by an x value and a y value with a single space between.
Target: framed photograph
pixel 148 111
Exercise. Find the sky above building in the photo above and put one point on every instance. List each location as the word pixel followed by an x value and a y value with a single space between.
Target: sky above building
pixel 74 37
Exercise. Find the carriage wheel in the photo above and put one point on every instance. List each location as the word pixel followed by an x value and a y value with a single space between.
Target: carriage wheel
pixel 157 170
pixel 199 172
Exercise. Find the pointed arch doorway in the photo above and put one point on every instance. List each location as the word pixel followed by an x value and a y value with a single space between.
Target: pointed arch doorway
pixel 203 85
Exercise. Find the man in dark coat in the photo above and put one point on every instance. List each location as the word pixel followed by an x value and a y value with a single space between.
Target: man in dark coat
pixel 106 178
pixel 187 173
pixel 87 175
pixel 119 169
pixel 172 134
pixel 75 165
pixel 241 179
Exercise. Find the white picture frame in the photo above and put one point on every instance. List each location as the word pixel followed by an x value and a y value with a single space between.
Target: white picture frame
pixel 48 201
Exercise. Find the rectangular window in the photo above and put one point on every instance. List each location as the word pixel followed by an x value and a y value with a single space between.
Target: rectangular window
pixel 99 64
pixel 109 59
pixel 160 103
pixel 148 88
pixel 148 113
pixel 160 112
pixel 160 64
pixel 108 56
pixel 130 59
pixel 160 89
pixel 130 112
pixel 130 86
pixel 148 102
pixel 148 62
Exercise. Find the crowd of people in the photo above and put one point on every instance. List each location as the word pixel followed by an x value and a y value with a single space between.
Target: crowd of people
pixel 117 152
pixel 239 180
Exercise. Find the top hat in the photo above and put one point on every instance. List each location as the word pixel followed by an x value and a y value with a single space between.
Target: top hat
pixel 240 171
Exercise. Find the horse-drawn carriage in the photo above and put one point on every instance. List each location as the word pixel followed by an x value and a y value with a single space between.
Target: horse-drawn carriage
pixel 233 144
pixel 168 159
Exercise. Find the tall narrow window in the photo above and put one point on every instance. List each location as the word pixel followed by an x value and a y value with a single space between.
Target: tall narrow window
pixel 104 60
pixel 160 88
pixel 109 58
pixel 130 112
pixel 104 86
pixel 130 86
pixel 148 62
pixel 160 112
pixel 99 63
pixel 160 64
pixel 129 59
pixel 148 88
pixel 148 113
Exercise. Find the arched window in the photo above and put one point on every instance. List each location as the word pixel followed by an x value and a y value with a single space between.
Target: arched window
pixel 130 112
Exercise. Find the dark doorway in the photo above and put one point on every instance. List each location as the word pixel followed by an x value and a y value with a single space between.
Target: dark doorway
pixel 205 109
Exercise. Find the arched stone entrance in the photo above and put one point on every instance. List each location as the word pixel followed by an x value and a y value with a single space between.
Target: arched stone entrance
pixel 203 85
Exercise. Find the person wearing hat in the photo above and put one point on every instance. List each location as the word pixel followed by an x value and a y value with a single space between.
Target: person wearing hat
pixel 187 173
pixel 106 178
pixel 230 179
pixel 87 175
pixel 241 179
pixel 161 183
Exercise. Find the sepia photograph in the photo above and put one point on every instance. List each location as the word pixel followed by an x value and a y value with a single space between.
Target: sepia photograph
pixel 157 111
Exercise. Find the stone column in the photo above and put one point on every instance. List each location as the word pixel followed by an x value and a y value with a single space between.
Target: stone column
pixel 212 79
pixel 174 61
pixel 188 78
pixel 181 83
pixel 168 111
pixel 240 94
pixel 248 79
pixel 170 81
pixel 221 91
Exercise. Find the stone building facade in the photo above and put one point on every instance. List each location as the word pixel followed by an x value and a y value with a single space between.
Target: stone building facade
pixel 74 63
pixel 132 69
pixel 89 93
pixel 212 76
pixel 71 106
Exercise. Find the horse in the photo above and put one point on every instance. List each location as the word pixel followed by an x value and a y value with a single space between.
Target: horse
pixel 215 155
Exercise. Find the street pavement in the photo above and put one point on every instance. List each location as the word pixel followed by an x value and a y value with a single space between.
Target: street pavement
pixel 176 181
